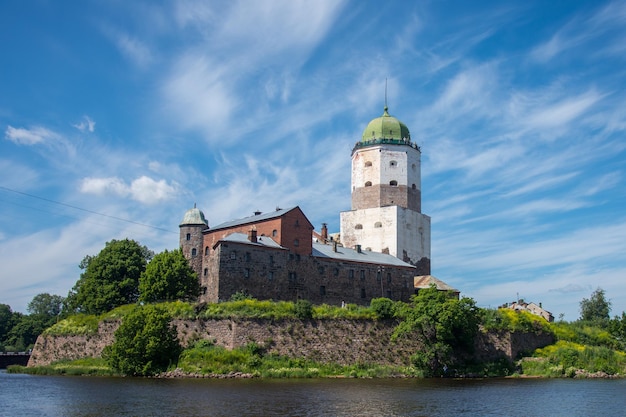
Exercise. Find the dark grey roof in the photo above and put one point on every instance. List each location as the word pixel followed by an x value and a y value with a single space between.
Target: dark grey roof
pixel 243 238
pixel 345 254
pixel 253 219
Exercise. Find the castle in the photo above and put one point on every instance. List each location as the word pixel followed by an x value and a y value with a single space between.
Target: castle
pixel 382 249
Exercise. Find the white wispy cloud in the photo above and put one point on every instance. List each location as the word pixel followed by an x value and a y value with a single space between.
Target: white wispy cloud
pixel 31 136
pixel 143 189
pixel 86 125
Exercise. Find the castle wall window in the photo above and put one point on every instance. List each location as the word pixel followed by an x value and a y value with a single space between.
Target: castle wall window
pixel 205 272
pixel 233 255
pixel 363 293
pixel 270 275
pixel 378 224
pixel 246 273
pixel 274 233
pixel 389 277
pixel 194 252
pixel 393 183
pixel 322 290
pixel 292 277
pixel 351 274
pixel 206 250
pixel 247 256
pixel 368 184
pixel 296 242
pixel 271 259
pixel 188 237
pixel 368 164
pixel 362 274
pixel 358 226
pixel 413 186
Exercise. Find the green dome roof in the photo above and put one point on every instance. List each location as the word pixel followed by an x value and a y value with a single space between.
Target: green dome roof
pixel 386 127
pixel 194 216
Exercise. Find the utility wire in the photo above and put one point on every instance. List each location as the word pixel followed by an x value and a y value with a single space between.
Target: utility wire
pixel 85 210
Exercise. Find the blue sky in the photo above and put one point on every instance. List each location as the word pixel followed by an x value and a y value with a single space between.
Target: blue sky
pixel 116 117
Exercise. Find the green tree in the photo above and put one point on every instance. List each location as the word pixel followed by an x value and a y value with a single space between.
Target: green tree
pixel 46 305
pixel 24 333
pixel 596 309
pixel 168 277
pixel 445 326
pixel 6 323
pixel 110 279
pixel 383 307
pixel 303 309
pixel 145 343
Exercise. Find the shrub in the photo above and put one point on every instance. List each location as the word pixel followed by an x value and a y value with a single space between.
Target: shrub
pixel 145 343
pixel 304 309
pixel 382 307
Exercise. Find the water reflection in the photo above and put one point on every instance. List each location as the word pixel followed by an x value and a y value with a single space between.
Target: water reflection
pixel 28 395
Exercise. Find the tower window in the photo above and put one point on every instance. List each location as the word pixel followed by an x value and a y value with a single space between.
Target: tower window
pixel 393 163
pixel 246 273
pixel 194 252
pixel 358 226
pixel 206 250
pixel 414 187
pixel 296 242
pixel 368 184
pixel 393 183
pixel 206 272
pixel 413 167
pixel 274 233
pixel 378 224
pixel 368 164
pixel 188 236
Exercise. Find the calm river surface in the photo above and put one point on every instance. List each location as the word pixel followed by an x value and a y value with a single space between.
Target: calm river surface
pixel 27 395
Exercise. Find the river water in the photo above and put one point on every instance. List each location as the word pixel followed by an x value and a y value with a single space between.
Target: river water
pixel 28 395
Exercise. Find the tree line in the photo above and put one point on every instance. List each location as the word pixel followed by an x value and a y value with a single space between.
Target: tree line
pixel 123 272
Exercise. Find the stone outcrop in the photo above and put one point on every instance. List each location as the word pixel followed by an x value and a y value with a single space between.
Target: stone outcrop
pixel 339 341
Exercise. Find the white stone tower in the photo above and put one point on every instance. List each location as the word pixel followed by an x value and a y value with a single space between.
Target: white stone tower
pixel 386 195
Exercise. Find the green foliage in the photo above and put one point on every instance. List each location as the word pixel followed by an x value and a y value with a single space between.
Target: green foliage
pixel 145 343
pixel 384 308
pixel 45 304
pixel 585 333
pixel 168 277
pixel 77 324
pixel 25 330
pixel 445 326
pixel 617 327
pixel 303 309
pixel 241 296
pixel 513 321
pixel 110 279
pixel 596 309
pixel 206 358
pixel 349 311
pixel 564 358
pixel 6 322
pixel 78 367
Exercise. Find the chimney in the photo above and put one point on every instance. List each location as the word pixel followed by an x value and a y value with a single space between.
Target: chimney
pixel 357 248
pixel 334 246
pixel 252 235
pixel 324 232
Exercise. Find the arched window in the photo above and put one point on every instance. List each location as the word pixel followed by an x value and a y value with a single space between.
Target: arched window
pixel 358 226
pixel 368 184
pixel 206 271
pixel 378 224
pixel 206 250
pixel 188 236
pixel 393 183
pixel 368 163
pixel 274 233
pixel 194 252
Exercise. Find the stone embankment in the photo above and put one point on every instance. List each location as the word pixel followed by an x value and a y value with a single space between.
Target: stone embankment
pixel 340 341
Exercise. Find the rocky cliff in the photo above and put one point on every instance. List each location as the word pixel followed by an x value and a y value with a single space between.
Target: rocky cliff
pixel 340 341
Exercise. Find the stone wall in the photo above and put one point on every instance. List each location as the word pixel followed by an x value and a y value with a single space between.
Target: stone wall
pixel 339 341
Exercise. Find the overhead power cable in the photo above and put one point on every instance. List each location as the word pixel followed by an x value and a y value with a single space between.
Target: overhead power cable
pixel 85 210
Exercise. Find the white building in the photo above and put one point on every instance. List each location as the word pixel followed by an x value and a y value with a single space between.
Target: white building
pixel 385 215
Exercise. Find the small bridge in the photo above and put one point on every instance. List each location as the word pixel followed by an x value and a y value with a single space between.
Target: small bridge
pixel 13 358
